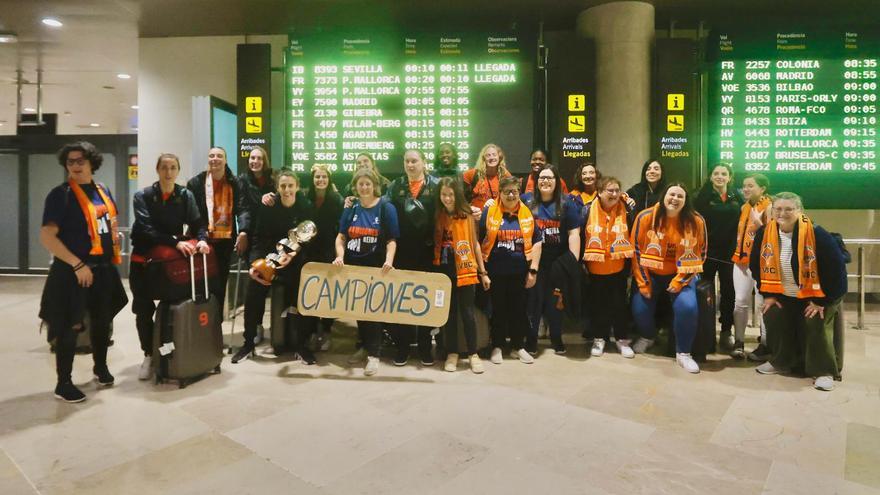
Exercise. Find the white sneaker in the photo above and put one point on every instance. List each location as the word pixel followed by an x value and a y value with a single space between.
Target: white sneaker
pixel 768 369
pixel 451 362
pixel 497 356
pixel 146 370
pixel 358 356
pixel 524 356
pixel 372 366
pixel 598 347
pixel 625 350
pixel 825 383
pixel 642 345
pixel 685 360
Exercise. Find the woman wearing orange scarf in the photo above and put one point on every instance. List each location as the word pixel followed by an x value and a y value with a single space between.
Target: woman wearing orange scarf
pixel 458 254
pixel 481 183
pixel 511 244
pixel 607 253
pixel 754 214
pixel 802 276
pixel 670 243
pixel 80 231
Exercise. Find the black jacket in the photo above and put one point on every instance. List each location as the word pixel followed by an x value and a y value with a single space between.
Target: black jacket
pixel 416 218
pixel 196 185
pixel 273 223
pixel 722 220
pixel 644 197
pixel 829 259
pixel 158 221
pixel 252 194
pixel 327 221
pixel 566 275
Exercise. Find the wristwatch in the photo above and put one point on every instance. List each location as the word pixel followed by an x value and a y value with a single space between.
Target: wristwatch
pixel 533 271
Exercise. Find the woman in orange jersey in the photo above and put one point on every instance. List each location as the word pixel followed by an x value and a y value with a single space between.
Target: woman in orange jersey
pixel 670 248
pixel 802 276
pixel 607 253
pixel 481 183
pixel 511 244
pixel 754 214
pixel 457 253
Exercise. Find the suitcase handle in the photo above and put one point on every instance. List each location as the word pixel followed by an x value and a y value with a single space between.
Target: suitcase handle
pixel 192 275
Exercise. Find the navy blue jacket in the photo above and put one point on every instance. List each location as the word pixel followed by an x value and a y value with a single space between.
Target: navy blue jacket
pixel 829 259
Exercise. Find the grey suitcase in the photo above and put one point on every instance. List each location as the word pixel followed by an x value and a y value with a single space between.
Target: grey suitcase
pixel 188 341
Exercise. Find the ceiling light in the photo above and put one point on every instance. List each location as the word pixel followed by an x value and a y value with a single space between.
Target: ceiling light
pixel 94 124
pixel 123 76
pixel 29 109
pixel 49 21
pixel 134 107
pixel 8 38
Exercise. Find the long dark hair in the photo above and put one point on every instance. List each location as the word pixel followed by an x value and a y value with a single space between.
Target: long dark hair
pixel 643 181
pixel 687 214
pixel 557 191
pixel 461 208
pixel 331 187
pixel 707 186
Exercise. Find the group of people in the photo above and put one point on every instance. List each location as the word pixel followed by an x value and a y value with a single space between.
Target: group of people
pixel 620 263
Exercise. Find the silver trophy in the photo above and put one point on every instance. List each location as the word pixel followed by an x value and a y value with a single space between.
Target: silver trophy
pixel 289 247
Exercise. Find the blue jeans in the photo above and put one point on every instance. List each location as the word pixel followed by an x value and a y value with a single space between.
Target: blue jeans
pixel 684 311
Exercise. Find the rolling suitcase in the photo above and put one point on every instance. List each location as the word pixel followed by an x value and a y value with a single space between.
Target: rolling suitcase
pixel 188 341
pixel 167 271
pixel 704 340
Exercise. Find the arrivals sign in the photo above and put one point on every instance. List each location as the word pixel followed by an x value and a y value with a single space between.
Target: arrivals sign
pixel 254 67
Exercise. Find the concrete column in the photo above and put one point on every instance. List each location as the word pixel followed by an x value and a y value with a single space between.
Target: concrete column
pixel 624 35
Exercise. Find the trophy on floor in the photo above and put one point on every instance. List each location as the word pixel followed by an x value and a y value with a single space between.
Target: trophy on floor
pixel 288 247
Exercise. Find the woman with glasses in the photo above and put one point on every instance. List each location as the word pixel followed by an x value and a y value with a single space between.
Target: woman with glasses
pixel 511 245
pixel 802 276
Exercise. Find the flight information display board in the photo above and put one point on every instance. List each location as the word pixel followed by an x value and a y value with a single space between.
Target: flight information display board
pixel 799 106
pixel 383 93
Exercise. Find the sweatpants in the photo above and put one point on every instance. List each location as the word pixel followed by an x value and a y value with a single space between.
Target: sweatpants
pixel 799 342
pixel 684 311
pixel 743 285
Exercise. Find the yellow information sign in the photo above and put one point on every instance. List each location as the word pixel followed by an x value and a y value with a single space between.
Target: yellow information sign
pixel 132 172
pixel 577 103
pixel 253 104
pixel 253 125
pixel 577 123
pixel 675 102
pixel 675 123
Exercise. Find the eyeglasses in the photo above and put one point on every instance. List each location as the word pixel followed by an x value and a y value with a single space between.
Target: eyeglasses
pixel 545 179
pixel 76 161
pixel 510 192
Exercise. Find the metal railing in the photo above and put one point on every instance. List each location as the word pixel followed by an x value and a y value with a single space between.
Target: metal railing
pixel 861 275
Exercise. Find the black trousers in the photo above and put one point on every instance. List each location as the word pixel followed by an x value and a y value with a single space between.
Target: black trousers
pixel 223 250
pixel 609 306
pixel 461 307
pixel 510 301
pixel 143 307
pixel 725 287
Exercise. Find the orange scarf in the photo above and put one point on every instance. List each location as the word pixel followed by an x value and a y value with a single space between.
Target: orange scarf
pixel 88 210
pixel 611 222
pixel 745 232
pixel 493 224
pixel 461 231
pixel 653 250
pixel 585 197
pixel 771 271
pixel 219 209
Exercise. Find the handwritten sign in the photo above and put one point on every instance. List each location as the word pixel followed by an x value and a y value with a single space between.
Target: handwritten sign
pixel 364 293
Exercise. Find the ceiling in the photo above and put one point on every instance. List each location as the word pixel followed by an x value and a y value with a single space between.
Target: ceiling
pixel 80 61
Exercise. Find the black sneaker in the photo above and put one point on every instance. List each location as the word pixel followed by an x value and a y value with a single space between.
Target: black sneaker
pixel 401 357
pixel 307 356
pixel 760 354
pixel 426 357
pixel 104 378
pixel 559 348
pixel 531 347
pixel 243 353
pixel 69 393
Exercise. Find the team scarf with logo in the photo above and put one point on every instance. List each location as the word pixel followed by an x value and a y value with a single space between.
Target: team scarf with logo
pixel 771 271
pixel 600 222
pixel 653 248
pixel 493 223
pixel 91 214
pixel 461 231
pixel 219 227
pixel 745 232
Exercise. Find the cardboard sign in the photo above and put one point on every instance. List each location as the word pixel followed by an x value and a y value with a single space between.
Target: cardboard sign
pixel 364 293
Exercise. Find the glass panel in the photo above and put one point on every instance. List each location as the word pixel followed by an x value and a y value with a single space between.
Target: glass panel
pixel 9 207
pixel 44 173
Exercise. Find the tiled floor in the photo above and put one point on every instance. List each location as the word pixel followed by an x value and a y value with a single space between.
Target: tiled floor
pixel 562 425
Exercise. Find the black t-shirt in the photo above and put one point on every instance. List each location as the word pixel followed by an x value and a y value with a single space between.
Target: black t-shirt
pixel 62 209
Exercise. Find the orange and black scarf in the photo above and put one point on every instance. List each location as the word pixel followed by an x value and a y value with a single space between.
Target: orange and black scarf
pixel 771 269
pixel 494 217
pixel 219 209
pixel 598 229
pixel 461 232
pixel 745 232
pixel 653 248
pixel 90 213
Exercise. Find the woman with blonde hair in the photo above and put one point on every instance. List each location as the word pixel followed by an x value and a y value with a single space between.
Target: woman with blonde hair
pixel 481 182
